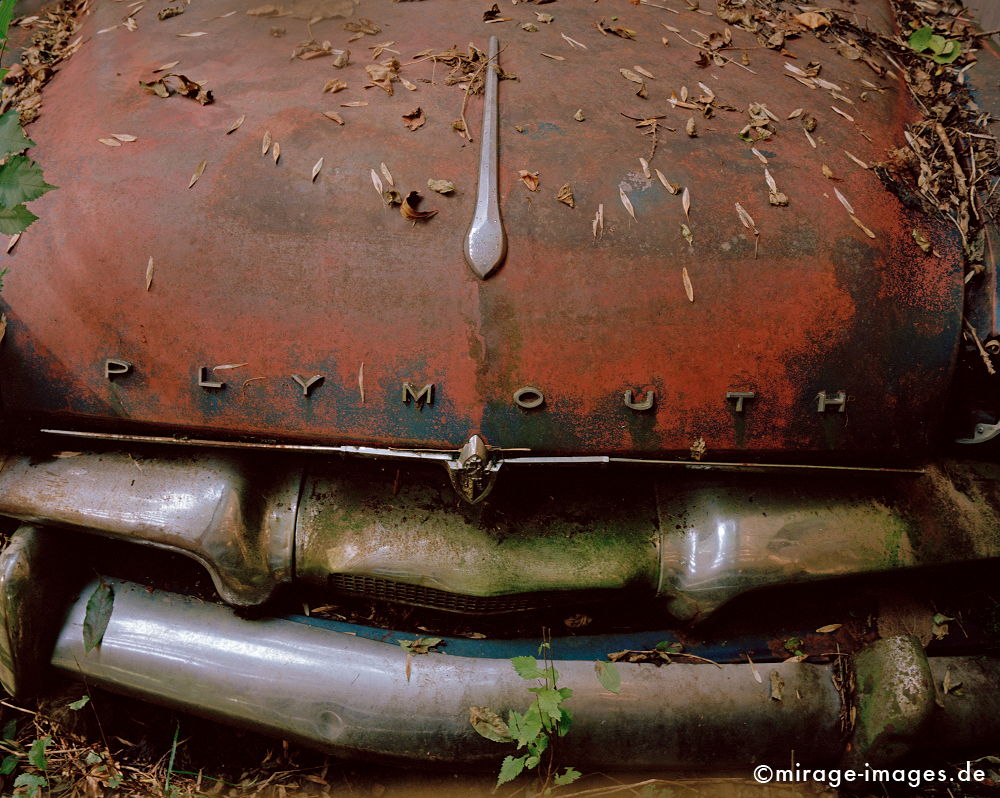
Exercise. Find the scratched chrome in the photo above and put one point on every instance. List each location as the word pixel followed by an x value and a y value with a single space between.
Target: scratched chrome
pixel 486 241
pixel 233 515
pixel 349 695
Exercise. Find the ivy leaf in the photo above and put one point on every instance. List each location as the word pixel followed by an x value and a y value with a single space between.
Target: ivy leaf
pixel 937 44
pixel 15 220
pixel 526 668
pixel 6 14
pixel 608 676
pixel 10 730
pixel 12 138
pixel 95 621
pixel 524 728
pixel 36 754
pixel 21 181
pixel 568 776
pixel 947 56
pixel 511 769
pixel 8 764
pixel 548 701
pixel 79 704
pixel 32 782
pixel 920 39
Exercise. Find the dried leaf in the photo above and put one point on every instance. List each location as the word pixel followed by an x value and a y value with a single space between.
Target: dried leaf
pixel 229 366
pixel 830 627
pixel 414 119
pixel 315 171
pixel 409 86
pixel 392 198
pixel 530 179
pixel 409 209
pixel 194 35
pixel 598 223
pixel 753 670
pixel 236 125
pixel 386 173
pixel 812 20
pixel 690 128
pixel 125 137
pixel 355 104
pixel 918 235
pixel 627 203
pixel 795 113
pixel 333 86
pixel 688 288
pixel 843 201
pixel 578 116
pixel 565 195
pixel 265 143
pixel 12 243
pixel 276 152
pixel 165 67
pixel 864 229
pixel 573 42
pixel 645 167
pixel 553 57
pixel 644 72
pixel 844 114
pixel 333 116
pixel 777 686
pixel 856 160
pixel 812 141
pixel 686 201
pixel 377 182
pixel 110 142
pixel 686 232
pixel 361 381
pixel 628 74
pixel 197 173
pixel 747 219
pixel 441 186
pixel 149 273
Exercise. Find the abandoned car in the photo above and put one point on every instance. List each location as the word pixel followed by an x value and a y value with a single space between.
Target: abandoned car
pixel 660 333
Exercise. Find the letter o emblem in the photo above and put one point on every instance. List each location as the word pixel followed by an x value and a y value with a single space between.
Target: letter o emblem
pixel 529 398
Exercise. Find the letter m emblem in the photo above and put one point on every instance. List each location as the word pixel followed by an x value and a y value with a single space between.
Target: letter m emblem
pixel 425 396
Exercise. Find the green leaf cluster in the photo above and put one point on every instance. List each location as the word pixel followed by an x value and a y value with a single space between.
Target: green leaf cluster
pixel 940 49
pixel 98 614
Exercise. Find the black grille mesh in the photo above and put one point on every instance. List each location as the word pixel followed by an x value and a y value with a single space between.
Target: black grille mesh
pixel 403 593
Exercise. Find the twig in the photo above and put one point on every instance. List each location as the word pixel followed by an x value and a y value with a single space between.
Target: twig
pixel 987 361
pixel 716 53
pixel 942 134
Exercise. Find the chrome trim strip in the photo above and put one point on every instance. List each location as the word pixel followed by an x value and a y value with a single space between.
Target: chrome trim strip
pixel 486 241
pixel 450 455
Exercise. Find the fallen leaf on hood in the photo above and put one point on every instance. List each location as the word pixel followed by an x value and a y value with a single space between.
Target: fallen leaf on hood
pixel 229 366
pixel 334 117
pixel 598 223
pixel 409 209
pixel 530 27
pixel 131 24
pixel 777 686
pixel 686 232
pixel 686 201
pixel 265 143
pixel 544 18
pixel 759 154
pixel 265 11
pixel 827 172
pixel 165 67
pixel 578 116
pixel 627 203
pixel 673 188
pixel 13 242
pixel 386 174
pixel 573 42
pixel 333 86
pixel 843 201
pixel 491 13
pixel 236 125
pixel 688 288
pixel 747 219
pixel 844 114
pixel 409 86
pixel 859 223
pixel 276 152
pixel 690 128
pixel 125 137
pixel 644 164
pixel 441 186
pixel 106 30
pixel 414 119
pixel 530 179
pixel 553 57
pixel 811 20
pixel 698 448
pixel 795 113
pixel 565 195
pixel 361 381
pixel 830 627
pixel 181 84
pixel 392 198
pixel 194 35
pixel 363 26
pixel 856 160
pixel 624 33
pixel 918 235
pixel 149 273
pixel 197 173
pixel 111 142
pixel 628 74
pixel 377 182
pixel 169 11
pixel 316 167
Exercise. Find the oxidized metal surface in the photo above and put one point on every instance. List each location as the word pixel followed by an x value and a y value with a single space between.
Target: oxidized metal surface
pixel 235 516
pixel 352 696
pixel 258 265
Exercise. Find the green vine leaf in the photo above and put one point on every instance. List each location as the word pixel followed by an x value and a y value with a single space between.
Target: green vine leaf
pixel 12 138
pixel 608 676
pixel 511 769
pixel 21 181
pixel 32 782
pixel 920 39
pixel 36 754
pixel 526 668
pixel 15 220
pixel 568 776
pixel 6 15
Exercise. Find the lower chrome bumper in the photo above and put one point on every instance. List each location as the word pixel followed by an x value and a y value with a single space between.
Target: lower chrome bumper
pixel 354 696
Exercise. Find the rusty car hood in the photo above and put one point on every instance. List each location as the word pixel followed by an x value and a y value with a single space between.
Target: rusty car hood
pixel 260 267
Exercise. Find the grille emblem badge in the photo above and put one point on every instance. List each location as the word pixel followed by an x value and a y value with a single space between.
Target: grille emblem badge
pixel 486 241
pixel 474 472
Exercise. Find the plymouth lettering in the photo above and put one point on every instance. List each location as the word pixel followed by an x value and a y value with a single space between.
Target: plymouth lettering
pixel 424 396
pixel 115 367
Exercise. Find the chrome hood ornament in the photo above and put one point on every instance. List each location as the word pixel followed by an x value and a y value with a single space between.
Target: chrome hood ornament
pixel 473 473
pixel 486 241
